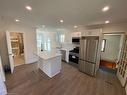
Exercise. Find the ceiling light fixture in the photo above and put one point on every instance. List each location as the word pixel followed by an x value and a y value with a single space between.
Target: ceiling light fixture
pixel 29 8
pixel 106 22
pixel 75 26
pixel 106 8
pixel 17 20
pixel 61 21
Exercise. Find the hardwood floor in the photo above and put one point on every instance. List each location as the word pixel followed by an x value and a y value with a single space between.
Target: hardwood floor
pixel 28 80
pixel 19 60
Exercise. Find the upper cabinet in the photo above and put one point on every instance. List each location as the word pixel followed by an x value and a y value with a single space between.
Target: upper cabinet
pixel 92 32
pixel 76 34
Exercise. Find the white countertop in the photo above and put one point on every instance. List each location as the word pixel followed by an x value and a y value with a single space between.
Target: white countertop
pixel 45 55
pixel 66 49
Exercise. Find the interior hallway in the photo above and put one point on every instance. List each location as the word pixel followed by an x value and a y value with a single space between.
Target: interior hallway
pixel 28 80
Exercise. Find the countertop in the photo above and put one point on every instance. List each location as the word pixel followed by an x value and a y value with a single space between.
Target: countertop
pixel 45 55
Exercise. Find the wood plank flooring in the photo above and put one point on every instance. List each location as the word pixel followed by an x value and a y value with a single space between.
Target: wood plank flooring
pixel 28 80
pixel 19 60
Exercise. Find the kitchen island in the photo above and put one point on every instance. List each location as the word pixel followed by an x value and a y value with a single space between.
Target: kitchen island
pixel 49 62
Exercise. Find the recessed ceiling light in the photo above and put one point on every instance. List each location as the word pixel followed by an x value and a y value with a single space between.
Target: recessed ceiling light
pixel 106 8
pixel 29 8
pixel 17 20
pixel 61 21
pixel 106 22
pixel 75 26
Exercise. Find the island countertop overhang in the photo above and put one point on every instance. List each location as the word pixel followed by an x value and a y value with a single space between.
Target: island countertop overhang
pixel 45 55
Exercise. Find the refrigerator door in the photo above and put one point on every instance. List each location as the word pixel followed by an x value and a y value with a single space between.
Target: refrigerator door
pixel 82 50
pixel 91 50
pixel 87 67
pixel 82 65
pixel 88 54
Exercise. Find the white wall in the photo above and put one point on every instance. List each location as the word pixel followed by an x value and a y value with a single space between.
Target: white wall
pixel 115 28
pixel 30 46
pixel 112 47
pixel 3 48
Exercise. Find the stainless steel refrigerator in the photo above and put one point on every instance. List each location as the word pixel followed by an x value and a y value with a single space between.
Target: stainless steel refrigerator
pixel 88 54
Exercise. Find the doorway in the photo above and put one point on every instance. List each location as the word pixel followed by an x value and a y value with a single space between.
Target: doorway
pixel 17 45
pixel 110 52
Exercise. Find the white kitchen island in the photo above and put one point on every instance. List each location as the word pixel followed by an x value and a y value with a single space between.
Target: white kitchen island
pixel 49 62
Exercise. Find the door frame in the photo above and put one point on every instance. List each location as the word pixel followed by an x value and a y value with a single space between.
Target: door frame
pixel 23 43
pixel 117 74
pixel 117 33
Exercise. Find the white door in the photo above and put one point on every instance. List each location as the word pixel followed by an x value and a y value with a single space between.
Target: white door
pixel 122 66
pixel 10 54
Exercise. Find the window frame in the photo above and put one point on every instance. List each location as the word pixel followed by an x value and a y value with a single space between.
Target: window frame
pixel 103 50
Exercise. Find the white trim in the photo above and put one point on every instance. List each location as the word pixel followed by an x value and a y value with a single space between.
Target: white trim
pixel 113 34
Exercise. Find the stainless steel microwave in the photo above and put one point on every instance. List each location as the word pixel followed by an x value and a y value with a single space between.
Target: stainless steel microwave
pixel 75 39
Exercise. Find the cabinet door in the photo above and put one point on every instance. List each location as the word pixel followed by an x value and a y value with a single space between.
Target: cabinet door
pixel 82 49
pixel 76 34
pixel 92 32
pixel 63 52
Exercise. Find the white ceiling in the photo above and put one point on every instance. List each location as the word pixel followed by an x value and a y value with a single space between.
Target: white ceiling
pixel 73 12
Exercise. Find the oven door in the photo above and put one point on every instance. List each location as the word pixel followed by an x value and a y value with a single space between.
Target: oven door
pixel 73 58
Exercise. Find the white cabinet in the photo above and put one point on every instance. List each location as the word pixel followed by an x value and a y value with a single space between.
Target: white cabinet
pixel 49 63
pixel 51 66
pixel 63 52
pixel 76 34
pixel 92 32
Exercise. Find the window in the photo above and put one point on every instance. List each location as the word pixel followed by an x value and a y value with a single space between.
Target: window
pixel 46 45
pixel 39 40
pixel 62 38
pixel 43 41
pixel 103 45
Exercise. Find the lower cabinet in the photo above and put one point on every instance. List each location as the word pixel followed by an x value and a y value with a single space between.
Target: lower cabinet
pixel 63 52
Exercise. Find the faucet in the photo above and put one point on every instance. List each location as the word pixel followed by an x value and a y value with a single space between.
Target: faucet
pixel 41 47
